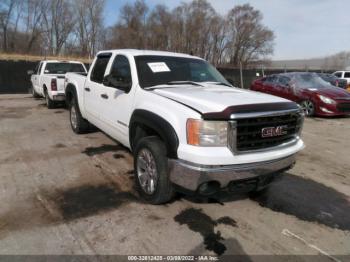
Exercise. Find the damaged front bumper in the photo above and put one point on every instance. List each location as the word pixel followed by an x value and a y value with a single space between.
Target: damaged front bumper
pixel 190 176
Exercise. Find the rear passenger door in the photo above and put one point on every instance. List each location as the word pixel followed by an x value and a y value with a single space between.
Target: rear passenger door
pixel 93 89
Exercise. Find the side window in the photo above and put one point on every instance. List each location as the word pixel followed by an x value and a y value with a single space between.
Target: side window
pixel 271 79
pixel 283 80
pixel 98 71
pixel 338 74
pixel 120 71
pixel 347 75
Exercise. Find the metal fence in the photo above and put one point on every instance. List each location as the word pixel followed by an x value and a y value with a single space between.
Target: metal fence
pixel 14 78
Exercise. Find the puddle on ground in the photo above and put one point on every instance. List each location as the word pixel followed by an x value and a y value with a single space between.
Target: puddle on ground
pixel 199 222
pixel 89 200
pixel 59 145
pixel 47 209
pixel 92 151
pixel 307 200
pixel 118 156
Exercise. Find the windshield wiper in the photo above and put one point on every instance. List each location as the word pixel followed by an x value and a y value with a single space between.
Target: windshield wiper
pixel 183 83
pixel 219 83
pixel 171 83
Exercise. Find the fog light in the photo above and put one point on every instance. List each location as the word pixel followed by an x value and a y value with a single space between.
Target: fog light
pixel 209 188
pixel 325 110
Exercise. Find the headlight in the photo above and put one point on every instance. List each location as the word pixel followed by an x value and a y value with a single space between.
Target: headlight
pixel 326 100
pixel 206 133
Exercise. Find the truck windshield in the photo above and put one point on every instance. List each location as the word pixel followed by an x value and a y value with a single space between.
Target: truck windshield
pixel 62 68
pixel 159 70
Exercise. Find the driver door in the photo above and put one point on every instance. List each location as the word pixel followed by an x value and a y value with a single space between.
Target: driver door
pixel 117 102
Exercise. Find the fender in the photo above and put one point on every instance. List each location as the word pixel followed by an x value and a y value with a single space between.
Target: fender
pixel 70 92
pixel 157 124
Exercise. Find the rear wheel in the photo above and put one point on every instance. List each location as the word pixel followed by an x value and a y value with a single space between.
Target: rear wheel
pixel 49 103
pixel 78 123
pixel 308 107
pixel 151 171
pixel 34 94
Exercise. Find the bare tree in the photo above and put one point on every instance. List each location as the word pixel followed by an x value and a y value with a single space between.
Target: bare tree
pixel 33 17
pixel 131 30
pixel 58 23
pixel 250 39
pixel 89 24
pixel 7 9
pixel 158 28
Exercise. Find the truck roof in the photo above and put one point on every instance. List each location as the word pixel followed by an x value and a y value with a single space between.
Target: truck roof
pixel 61 61
pixel 138 52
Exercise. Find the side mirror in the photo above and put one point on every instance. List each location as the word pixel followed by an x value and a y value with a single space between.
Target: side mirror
pixel 112 81
pixel 30 72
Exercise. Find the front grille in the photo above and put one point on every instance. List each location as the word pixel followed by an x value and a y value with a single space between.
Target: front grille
pixel 343 107
pixel 249 131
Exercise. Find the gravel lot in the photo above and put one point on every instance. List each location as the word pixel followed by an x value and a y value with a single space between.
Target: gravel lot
pixel 67 194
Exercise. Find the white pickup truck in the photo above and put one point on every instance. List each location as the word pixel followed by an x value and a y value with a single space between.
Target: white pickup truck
pixel 186 126
pixel 48 79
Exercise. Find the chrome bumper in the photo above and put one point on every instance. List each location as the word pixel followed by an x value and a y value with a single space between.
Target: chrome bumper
pixel 190 176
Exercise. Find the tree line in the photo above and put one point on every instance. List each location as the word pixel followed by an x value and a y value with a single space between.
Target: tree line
pixel 76 28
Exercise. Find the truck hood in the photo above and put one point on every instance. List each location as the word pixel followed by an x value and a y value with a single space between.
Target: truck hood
pixel 214 98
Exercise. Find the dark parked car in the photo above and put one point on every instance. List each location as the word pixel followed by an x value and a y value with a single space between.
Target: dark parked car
pixel 333 80
pixel 315 96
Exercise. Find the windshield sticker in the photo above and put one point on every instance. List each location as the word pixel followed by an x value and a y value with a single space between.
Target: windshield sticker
pixel 158 67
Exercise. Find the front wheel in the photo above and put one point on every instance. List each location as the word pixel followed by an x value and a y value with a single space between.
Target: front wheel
pixel 308 107
pixel 151 171
pixel 78 123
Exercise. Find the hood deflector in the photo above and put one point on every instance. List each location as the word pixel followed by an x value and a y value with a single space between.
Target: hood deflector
pixel 250 108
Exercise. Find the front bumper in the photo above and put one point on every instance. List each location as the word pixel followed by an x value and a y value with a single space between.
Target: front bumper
pixel 190 176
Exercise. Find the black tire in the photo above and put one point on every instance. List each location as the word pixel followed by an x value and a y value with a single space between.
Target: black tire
pixel 308 107
pixel 163 190
pixel 80 125
pixel 34 94
pixel 49 103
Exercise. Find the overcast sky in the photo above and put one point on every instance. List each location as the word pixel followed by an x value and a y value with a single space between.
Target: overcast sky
pixel 303 28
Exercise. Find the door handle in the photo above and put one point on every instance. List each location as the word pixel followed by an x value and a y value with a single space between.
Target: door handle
pixel 87 89
pixel 104 96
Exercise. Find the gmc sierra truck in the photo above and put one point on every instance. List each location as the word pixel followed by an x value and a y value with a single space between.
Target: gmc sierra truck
pixel 186 126
pixel 48 79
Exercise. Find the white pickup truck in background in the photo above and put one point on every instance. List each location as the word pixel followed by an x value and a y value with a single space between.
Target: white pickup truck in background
pixel 188 128
pixel 48 79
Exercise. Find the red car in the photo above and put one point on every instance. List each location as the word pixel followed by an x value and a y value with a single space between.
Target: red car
pixel 312 93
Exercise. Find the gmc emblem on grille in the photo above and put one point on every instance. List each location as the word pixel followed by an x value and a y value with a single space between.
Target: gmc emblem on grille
pixel 273 131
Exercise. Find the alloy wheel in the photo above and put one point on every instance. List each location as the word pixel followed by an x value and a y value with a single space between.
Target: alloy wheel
pixel 147 171
pixel 73 117
pixel 308 107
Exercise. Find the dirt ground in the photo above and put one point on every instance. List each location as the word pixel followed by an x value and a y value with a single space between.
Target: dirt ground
pixel 67 194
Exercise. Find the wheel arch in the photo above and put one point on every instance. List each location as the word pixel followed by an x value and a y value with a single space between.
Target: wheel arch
pixel 145 123
pixel 70 92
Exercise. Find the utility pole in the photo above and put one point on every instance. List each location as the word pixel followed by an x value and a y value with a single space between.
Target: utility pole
pixel 241 73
